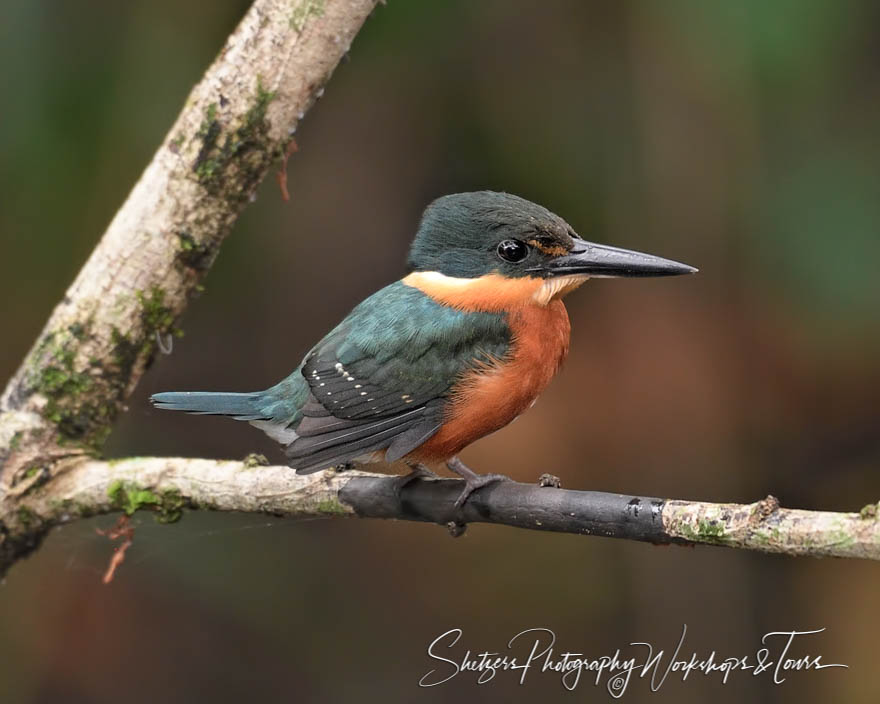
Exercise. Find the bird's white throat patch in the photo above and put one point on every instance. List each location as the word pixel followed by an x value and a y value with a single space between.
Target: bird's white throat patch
pixel 494 290
pixel 557 287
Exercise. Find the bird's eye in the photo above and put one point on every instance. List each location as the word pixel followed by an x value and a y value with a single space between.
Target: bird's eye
pixel 513 250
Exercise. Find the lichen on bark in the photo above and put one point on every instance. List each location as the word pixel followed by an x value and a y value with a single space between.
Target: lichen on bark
pixel 129 295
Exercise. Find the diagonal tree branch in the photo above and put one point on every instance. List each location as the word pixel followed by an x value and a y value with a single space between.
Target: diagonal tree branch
pixel 236 123
pixel 59 406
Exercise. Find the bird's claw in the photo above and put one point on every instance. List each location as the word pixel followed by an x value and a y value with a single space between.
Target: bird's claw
pixel 472 480
pixel 456 530
pixel 549 480
pixel 471 485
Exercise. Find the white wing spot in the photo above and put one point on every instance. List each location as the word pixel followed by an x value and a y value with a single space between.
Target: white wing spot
pixel 357 386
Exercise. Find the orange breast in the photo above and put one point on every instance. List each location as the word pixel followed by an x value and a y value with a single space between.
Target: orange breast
pixel 489 398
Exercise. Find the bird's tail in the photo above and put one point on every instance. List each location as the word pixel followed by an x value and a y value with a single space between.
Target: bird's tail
pixel 241 406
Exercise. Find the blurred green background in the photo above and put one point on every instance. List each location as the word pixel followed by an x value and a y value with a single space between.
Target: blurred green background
pixel 741 137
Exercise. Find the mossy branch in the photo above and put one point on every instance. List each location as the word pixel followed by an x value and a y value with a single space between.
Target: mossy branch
pixel 168 487
pixel 237 122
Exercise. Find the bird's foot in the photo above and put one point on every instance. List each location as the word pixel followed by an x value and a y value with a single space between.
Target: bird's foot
pixel 550 480
pixel 472 480
pixel 417 471
pixel 456 529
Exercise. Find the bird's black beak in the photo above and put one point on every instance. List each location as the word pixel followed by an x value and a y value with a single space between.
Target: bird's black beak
pixel 600 260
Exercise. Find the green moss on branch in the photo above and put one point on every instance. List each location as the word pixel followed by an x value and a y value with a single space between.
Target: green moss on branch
pixel 302 11
pixel 130 497
pixel 234 159
pixel 72 404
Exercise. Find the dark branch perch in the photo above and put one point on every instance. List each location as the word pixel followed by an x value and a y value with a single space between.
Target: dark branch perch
pixel 167 486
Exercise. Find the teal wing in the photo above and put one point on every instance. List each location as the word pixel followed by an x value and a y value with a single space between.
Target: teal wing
pixel 380 380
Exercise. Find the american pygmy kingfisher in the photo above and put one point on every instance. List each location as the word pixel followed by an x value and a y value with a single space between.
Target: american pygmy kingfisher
pixel 453 351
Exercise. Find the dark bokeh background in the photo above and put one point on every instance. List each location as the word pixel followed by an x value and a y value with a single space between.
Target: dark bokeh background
pixel 742 137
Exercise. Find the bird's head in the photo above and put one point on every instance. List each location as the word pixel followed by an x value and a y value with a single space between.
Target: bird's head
pixel 500 249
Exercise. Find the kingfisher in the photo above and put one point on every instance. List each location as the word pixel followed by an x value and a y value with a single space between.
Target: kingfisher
pixel 455 350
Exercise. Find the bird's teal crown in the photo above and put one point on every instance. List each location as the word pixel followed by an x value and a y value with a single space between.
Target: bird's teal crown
pixel 469 234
